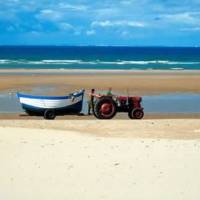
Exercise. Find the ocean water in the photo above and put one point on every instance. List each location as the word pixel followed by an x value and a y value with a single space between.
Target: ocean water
pixel 91 57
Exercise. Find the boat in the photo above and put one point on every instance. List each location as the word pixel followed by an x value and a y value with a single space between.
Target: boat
pixel 51 106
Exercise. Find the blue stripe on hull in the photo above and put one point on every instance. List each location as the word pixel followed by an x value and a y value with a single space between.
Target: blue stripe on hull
pixel 78 94
pixel 75 108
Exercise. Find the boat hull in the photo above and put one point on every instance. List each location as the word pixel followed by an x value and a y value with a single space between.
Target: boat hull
pixel 61 105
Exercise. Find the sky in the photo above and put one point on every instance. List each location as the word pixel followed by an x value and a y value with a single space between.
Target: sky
pixel 100 22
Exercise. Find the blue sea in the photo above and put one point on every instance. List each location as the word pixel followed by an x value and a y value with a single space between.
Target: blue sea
pixel 92 57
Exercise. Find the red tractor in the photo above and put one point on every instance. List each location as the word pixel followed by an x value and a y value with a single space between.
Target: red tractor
pixel 106 106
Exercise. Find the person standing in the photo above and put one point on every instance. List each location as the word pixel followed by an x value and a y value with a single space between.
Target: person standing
pixel 91 101
pixel 109 92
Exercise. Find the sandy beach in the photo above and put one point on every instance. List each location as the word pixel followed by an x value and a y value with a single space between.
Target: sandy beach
pixel 77 157
pixel 149 159
pixel 136 82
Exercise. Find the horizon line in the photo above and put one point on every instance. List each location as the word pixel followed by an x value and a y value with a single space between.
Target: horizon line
pixel 65 45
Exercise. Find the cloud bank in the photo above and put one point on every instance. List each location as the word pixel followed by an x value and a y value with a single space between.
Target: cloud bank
pixel 105 22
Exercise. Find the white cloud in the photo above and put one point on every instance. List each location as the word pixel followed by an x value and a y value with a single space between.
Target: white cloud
pixel 126 2
pixel 117 23
pixel 35 33
pixel 10 28
pixel 90 32
pixel 65 26
pixel 59 12
pixel 4 15
pixel 106 12
pixel 46 11
pixel 191 29
pixel 73 7
pixel 184 18
pixel 49 14
pixel 125 34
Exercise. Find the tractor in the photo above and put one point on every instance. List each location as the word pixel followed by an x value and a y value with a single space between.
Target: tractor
pixel 106 106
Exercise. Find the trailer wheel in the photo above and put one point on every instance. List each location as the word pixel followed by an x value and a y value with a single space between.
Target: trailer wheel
pixel 136 114
pixel 49 114
pixel 105 108
pixel 29 112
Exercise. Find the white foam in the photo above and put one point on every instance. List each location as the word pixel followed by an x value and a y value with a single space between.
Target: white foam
pixel 82 62
pixel 134 62
pixel 2 61
pixel 177 68
pixel 60 61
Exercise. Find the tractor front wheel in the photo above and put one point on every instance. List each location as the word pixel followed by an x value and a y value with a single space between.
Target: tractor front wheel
pixel 136 114
pixel 105 108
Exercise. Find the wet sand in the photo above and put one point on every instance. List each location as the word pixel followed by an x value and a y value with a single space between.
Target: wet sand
pixel 119 116
pixel 135 82
pixel 123 82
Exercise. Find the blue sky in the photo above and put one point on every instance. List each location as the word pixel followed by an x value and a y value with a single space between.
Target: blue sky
pixel 100 22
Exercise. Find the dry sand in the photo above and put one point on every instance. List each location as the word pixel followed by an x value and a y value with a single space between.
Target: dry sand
pixel 157 128
pixel 82 162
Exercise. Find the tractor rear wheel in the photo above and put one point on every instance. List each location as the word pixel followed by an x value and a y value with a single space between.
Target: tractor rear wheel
pixel 49 114
pixel 136 114
pixel 105 108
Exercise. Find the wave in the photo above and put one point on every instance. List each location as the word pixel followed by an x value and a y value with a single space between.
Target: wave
pixel 96 62
pixel 177 68
pixel 4 61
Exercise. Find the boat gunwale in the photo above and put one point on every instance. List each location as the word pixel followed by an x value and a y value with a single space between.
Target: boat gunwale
pixel 20 95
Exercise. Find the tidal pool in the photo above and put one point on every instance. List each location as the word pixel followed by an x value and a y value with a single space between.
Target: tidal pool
pixel 164 103
pixel 172 103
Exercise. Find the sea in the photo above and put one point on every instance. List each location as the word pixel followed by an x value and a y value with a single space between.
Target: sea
pixel 101 57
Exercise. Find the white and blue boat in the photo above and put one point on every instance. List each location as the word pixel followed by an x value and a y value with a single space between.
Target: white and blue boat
pixel 50 106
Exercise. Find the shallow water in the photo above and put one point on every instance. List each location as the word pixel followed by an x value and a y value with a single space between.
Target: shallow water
pixel 9 102
pixel 164 103
pixel 172 103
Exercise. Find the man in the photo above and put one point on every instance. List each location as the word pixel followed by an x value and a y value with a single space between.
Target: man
pixel 109 92
pixel 90 101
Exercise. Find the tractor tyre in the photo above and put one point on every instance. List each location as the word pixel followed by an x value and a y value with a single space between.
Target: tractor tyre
pixel 105 108
pixel 136 114
pixel 49 114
